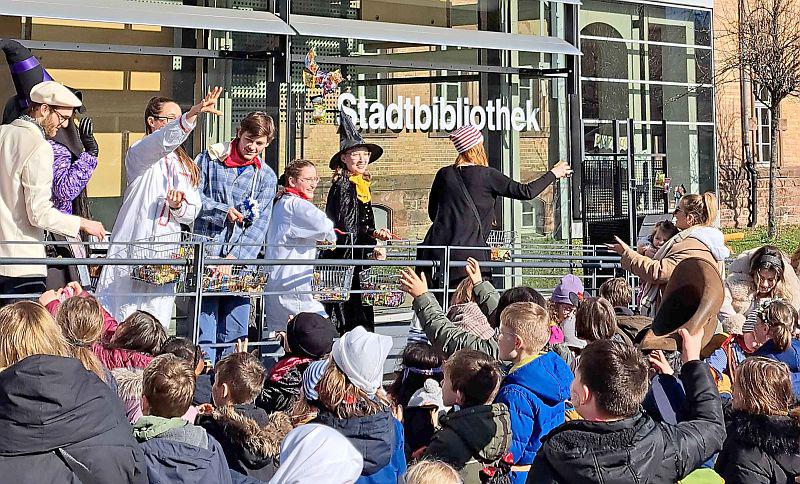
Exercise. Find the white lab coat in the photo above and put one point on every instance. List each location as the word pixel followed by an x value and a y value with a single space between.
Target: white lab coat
pixel 152 168
pixel 296 226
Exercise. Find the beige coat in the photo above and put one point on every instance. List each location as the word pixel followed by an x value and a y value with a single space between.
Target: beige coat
pixel 740 292
pixel 705 243
pixel 26 211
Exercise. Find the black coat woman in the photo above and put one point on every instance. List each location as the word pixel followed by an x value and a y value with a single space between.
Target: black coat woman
pixel 462 200
pixel 349 206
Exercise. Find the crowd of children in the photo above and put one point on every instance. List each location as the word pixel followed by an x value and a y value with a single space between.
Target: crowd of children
pixel 504 388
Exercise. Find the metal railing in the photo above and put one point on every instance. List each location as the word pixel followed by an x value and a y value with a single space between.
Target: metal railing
pixel 536 265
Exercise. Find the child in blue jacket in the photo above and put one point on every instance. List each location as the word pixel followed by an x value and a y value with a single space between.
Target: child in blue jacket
pixel 537 384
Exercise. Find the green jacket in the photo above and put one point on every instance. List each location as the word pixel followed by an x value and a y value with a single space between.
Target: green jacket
pixel 449 338
pixel 472 438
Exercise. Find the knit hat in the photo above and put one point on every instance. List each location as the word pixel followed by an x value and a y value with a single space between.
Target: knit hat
pixel 311 378
pixel 429 394
pixel 568 284
pixel 360 355
pixel 466 137
pixel 310 335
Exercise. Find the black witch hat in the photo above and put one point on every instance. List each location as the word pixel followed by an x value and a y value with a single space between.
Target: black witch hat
pixel 26 72
pixel 350 138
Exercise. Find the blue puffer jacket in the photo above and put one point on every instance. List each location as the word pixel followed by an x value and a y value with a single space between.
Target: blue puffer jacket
pixel 535 395
pixel 380 440
pixel 791 357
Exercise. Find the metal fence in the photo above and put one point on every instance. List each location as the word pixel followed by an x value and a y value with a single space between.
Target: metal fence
pixel 536 265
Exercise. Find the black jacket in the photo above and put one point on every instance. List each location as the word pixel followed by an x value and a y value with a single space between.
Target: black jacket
pixel 455 223
pixel 349 214
pixel 759 449
pixel 50 405
pixel 636 449
pixel 280 395
pixel 249 437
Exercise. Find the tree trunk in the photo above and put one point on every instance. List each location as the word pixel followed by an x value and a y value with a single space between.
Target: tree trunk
pixel 774 113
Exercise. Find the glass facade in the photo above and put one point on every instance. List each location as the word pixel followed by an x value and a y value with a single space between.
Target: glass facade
pixel 649 63
pixel 653 64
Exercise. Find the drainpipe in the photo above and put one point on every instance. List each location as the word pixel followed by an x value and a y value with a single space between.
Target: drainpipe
pixel 747 155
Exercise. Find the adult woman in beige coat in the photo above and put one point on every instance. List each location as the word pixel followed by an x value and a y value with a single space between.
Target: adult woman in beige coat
pixel 694 216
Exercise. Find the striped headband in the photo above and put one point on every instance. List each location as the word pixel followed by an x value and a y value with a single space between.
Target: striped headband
pixel 311 377
pixel 466 137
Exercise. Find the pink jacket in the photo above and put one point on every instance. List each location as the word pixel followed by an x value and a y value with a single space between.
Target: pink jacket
pixel 110 358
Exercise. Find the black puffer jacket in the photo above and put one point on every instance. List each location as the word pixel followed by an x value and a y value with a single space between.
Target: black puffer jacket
pixel 636 449
pixel 759 449
pixel 51 405
pixel 249 437
pixel 279 394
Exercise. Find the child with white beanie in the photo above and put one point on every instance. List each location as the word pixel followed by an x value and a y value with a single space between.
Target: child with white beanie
pixel 344 392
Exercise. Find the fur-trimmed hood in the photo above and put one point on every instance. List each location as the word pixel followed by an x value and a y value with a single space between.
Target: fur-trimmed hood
pixel 129 383
pixel 772 434
pixel 250 438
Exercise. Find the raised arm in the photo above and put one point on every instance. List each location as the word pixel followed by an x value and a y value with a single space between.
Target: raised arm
pixel 506 187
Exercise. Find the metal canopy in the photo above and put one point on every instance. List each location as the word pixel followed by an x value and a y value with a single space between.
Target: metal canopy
pixel 143 13
pixel 420 34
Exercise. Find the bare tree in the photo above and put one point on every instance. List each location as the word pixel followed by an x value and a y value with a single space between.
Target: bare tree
pixel 767 33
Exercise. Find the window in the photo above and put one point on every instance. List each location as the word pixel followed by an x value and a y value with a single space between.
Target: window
pixel 532 216
pixel 763 125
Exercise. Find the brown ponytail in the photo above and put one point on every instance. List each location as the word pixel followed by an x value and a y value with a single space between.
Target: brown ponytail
pixel 781 318
pixel 153 109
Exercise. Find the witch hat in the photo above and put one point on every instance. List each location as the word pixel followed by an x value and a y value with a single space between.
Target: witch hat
pixel 350 138
pixel 26 72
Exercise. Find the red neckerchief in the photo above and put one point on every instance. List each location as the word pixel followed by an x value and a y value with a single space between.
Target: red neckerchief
pixel 295 191
pixel 284 366
pixel 235 160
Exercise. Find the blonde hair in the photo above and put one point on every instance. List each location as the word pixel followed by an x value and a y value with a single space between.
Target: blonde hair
pixel 27 329
pixel 81 322
pixel 704 207
pixel 337 394
pixel 617 291
pixel 530 322
pixel 432 472
pixel 764 387
pixel 475 155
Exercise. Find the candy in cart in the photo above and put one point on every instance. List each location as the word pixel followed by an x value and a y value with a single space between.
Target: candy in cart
pixel 385 281
pixel 175 246
pixel 501 243
pixel 332 284
pixel 241 279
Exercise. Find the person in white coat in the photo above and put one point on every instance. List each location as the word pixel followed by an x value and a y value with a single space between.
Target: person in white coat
pixel 161 195
pixel 296 227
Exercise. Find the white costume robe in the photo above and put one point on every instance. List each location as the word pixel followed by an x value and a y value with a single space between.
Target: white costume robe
pixel 296 226
pixel 152 168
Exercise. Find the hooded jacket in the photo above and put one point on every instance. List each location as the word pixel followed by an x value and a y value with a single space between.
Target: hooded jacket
pixel 129 390
pixel 51 405
pixel 379 439
pixel 535 395
pixel 249 437
pixel 178 452
pixel 760 449
pixel 637 448
pixel 741 296
pixel 472 438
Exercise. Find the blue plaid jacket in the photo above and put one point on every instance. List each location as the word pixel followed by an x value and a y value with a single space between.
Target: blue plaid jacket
pixel 222 188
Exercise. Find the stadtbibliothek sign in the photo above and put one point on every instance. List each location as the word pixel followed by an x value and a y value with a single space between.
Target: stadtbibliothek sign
pixel 411 114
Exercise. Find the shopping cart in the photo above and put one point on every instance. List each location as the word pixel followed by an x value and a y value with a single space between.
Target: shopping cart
pixel 332 283
pixel 501 242
pixel 385 280
pixel 175 245
pixel 241 279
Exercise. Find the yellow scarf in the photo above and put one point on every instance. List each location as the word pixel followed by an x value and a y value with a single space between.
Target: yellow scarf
pixel 362 188
pixel 524 362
